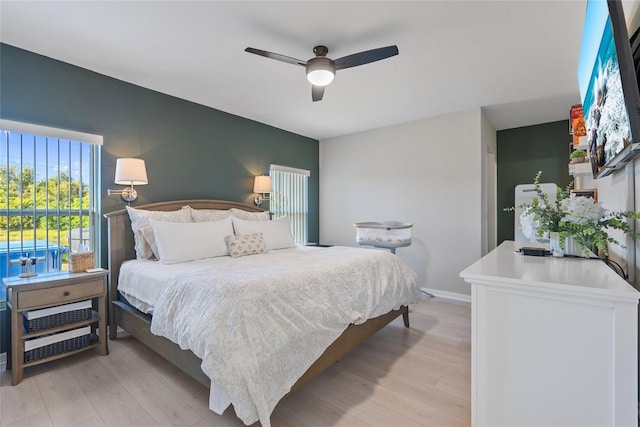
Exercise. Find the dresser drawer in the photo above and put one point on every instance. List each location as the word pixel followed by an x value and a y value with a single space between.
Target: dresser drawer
pixel 60 294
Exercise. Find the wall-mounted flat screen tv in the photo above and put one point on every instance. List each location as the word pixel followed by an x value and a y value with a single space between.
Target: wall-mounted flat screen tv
pixel 608 88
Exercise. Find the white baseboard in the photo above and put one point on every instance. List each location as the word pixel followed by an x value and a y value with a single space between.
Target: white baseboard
pixel 3 362
pixel 448 295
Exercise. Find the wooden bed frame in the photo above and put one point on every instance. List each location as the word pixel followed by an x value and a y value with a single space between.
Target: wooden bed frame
pixel 138 324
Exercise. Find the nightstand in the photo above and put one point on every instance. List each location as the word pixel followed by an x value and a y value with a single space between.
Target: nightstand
pixel 48 296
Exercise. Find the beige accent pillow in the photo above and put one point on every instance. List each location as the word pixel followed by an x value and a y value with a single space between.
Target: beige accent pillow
pixel 249 244
pixel 150 238
pixel 250 216
pixel 201 215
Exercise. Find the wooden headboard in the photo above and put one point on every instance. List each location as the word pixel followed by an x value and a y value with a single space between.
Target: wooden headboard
pixel 120 236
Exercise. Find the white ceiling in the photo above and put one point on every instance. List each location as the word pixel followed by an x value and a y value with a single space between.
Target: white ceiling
pixel 517 59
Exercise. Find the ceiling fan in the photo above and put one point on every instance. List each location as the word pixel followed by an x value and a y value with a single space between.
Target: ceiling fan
pixel 321 70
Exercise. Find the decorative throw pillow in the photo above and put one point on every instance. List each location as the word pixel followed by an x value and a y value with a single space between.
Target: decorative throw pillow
pixel 140 218
pixel 276 233
pixel 180 242
pixel 249 244
pixel 250 216
pixel 201 215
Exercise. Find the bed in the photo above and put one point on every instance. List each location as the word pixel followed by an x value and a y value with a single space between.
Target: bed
pixel 166 315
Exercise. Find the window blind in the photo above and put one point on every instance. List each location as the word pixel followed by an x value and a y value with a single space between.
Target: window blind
pixel 48 196
pixel 290 198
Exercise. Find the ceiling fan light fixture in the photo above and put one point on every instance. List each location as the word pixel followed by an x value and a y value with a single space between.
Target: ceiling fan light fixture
pixel 320 77
pixel 320 71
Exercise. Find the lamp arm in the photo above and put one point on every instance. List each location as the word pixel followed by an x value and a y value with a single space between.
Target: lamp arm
pixel 128 194
pixel 260 198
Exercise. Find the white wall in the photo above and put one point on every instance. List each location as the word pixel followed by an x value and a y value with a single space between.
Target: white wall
pixel 489 185
pixel 427 172
pixel 634 272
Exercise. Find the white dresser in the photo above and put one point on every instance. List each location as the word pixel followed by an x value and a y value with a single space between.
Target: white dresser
pixel 554 342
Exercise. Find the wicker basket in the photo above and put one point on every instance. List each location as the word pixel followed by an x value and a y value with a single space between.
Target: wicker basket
pixel 55 320
pixel 80 261
pixel 59 347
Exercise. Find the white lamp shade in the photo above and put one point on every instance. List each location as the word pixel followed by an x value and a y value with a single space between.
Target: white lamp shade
pixel 131 171
pixel 262 184
pixel 320 71
pixel 320 77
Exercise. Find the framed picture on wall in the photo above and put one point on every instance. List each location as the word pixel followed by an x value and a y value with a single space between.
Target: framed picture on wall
pixel 577 127
pixel 587 193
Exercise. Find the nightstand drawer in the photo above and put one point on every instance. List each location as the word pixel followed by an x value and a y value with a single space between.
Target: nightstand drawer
pixel 60 294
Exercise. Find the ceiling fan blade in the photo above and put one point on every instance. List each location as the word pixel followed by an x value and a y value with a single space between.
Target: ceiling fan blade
pixel 276 56
pixel 365 57
pixel 317 92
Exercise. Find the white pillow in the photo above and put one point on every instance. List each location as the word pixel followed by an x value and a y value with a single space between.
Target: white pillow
pixel 250 216
pixel 140 219
pixel 276 233
pixel 180 242
pixel 200 215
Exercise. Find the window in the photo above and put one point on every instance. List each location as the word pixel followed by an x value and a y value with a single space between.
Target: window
pixel 290 198
pixel 48 196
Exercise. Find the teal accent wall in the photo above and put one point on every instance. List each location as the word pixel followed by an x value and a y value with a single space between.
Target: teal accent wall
pixel 521 153
pixel 191 151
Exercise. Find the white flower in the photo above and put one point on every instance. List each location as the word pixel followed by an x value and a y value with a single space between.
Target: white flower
pixel 582 210
pixel 528 224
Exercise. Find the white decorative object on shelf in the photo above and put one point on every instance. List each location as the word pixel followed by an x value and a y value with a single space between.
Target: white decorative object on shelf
pixel 524 194
pixel 580 168
pixel 26 263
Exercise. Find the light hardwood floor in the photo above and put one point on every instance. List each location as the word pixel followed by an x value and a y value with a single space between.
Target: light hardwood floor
pixel 400 377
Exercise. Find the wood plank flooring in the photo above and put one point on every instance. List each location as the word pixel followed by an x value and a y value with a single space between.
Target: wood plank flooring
pixel 400 377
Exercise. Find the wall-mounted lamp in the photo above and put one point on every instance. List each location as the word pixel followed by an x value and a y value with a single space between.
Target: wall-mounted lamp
pixel 129 172
pixel 262 186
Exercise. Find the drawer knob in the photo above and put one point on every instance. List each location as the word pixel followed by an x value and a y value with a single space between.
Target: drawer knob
pixel 66 293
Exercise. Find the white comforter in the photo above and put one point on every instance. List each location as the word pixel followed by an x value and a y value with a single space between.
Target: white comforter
pixel 258 322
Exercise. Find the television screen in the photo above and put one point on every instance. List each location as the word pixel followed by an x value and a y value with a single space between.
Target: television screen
pixel 608 88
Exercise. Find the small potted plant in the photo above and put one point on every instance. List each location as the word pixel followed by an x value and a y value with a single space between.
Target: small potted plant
pixel 578 156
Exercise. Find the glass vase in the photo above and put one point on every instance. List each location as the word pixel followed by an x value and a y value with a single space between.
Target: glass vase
pixel 573 248
pixel 554 244
pixel 569 246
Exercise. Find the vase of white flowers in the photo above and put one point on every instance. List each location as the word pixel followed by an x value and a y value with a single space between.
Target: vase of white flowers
pixel 575 225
